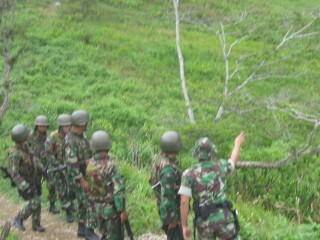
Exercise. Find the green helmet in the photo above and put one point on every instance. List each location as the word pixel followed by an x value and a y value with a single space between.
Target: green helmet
pixel 204 149
pixel 80 118
pixel 19 133
pixel 41 120
pixel 100 141
pixel 170 142
pixel 63 120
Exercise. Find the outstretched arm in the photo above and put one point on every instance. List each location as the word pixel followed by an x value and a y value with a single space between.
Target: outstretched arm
pixel 236 149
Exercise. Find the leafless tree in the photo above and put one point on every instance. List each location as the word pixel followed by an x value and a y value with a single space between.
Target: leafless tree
pixel 181 62
pixel 7 11
pixel 256 74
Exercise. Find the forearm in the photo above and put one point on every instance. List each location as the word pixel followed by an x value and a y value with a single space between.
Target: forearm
pixel 235 153
pixel 184 210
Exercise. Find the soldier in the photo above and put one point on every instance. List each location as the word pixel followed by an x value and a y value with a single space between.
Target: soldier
pixel 106 191
pixel 23 172
pixel 77 151
pixel 54 154
pixel 36 142
pixel 206 182
pixel 170 179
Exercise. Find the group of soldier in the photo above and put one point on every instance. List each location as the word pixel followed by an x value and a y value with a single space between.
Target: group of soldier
pixel 82 171
pixel 214 216
pixel 73 169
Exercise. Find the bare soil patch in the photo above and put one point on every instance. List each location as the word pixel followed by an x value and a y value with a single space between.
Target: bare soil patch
pixel 56 226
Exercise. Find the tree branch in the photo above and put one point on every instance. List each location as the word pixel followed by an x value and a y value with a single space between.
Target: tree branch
pixel 295 155
pixel 286 38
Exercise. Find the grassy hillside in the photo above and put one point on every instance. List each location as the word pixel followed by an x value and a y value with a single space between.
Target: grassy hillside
pixel 117 59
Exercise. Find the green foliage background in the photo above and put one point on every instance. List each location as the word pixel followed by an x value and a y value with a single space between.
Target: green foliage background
pixel 117 59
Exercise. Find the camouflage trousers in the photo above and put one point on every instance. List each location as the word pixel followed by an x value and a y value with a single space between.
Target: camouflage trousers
pixel 82 202
pixel 61 187
pixel 52 195
pixel 32 207
pixel 220 225
pixel 103 217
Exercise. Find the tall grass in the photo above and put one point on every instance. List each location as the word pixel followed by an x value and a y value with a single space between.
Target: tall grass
pixel 117 59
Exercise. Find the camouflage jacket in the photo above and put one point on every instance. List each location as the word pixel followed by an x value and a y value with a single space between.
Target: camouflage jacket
pixel 76 151
pixel 22 166
pixel 206 181
pixel 170 179
pixel 36 142
pixel 54 149
pixel 105 182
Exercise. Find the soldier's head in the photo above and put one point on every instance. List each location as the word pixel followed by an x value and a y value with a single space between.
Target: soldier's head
pixel 204 149
pixel 19 134
pixel 41 124
pixel 64 122
pixel 100 141
pixel 80 119
pixel 170 143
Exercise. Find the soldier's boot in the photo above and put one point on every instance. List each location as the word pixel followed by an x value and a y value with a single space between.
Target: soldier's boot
pixel 53 209
pixel 69 216
pixel 90 235
pixel 18 223
pixel 73 207
pixel 37 227
pixel 81 230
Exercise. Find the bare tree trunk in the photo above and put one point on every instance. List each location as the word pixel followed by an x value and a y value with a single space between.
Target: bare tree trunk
pixel 6 32
pixel 181 62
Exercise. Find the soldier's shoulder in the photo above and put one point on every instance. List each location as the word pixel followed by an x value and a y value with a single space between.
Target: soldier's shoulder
pixel 13 149
pixel 69 136
pixel 32 135
pixel 196 168
pixel 54 133
pixel 14 152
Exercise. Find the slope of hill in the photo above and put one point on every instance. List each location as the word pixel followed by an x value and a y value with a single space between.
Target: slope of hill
pixel 117 59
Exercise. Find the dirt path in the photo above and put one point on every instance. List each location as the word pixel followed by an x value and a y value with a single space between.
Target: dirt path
pixel 56 226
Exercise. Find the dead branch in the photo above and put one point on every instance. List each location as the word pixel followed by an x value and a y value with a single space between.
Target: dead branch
pixel 181 62
pixel 8 63
pixel 298 34
pixel 294 155
pixel 255 75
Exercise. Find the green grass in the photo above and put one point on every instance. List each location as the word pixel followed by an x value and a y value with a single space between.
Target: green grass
pixel 118 60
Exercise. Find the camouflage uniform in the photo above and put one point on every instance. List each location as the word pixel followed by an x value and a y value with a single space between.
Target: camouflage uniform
pixel 106 196
pixel 23 172
pixel 206 182
pixel 170 179
pixel 169 202
pixel 54 153
pixel 77 150
pixel 36 142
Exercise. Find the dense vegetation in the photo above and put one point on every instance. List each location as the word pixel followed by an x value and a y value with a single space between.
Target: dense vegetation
pixel 117 59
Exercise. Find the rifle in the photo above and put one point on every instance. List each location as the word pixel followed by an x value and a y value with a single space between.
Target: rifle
pixel 26 195
pixel 7 175
pixel 61 167
pixel 129 230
